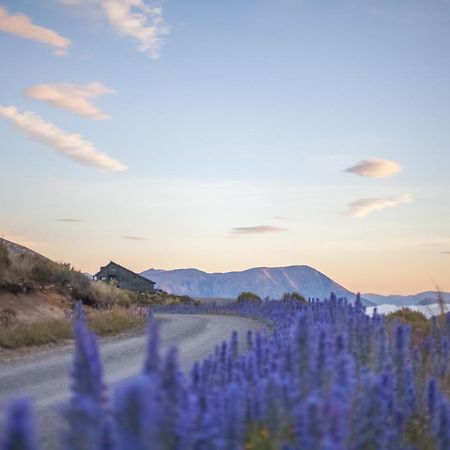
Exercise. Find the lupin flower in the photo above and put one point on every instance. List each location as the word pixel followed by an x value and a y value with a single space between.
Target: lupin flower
pixel 152 360
pixel 19 431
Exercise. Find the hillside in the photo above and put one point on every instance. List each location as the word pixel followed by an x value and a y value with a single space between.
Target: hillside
pixel 265 281
pixel 18 249
pixel 423 298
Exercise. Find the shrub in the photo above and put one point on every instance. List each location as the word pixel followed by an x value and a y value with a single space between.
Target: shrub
pixel 42 272
pixel 249 297
pixel 419 323
pixel 80 286
pixel 5 261
pixel 293 296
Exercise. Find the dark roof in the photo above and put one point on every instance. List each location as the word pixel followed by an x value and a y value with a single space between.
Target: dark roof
pixel 127 270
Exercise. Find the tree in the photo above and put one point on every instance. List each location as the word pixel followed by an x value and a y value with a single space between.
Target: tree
pixel 293 296
pixel 249 297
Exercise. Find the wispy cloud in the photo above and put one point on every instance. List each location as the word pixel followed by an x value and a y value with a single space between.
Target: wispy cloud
pixel 365 206
pixel 134 238
pixel 73 146
pixel 74 98
pixel 259 229
pixel 375 168
pixel 137 19
pixel 446 252
pixel 70 220
pixel 22 26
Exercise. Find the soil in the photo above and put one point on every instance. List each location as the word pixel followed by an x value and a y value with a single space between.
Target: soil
pixel 45 303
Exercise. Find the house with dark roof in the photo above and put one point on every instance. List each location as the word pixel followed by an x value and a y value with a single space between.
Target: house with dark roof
pixel 125 278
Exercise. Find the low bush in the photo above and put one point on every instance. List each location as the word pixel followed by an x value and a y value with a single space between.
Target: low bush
pixel 293 296
pixel 419 323
pixel 249 297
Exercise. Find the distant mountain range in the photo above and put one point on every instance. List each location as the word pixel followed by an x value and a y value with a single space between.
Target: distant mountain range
pixel 422 299
pixel 265 281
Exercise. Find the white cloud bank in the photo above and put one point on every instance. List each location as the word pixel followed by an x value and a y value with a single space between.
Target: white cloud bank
pixel 375 168
pixel 364 206
pixel 133 18
pixel 22 26
pixel 72 97
pixel 70 145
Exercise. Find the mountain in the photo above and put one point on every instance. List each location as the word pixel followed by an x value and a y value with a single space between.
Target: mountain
pixel 424 298
pixel 265 281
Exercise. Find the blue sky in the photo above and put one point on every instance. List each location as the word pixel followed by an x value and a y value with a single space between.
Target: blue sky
pixel 238 115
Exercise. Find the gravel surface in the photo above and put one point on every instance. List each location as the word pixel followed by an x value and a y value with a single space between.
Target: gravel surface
pixel 44 377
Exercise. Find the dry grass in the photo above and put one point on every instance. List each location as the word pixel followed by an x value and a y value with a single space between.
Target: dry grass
pixel 116 320
pixel 105 294
pixel 37 333
pixel 102 322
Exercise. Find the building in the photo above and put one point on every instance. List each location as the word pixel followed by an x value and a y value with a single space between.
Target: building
pixel 125 278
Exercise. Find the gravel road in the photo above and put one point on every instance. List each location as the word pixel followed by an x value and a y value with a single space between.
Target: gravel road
pixel 43 377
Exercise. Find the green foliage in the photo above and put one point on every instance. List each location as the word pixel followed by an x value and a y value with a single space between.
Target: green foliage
pixel 249 297
pixel 293 296
pixel 419 323
pixel 42 272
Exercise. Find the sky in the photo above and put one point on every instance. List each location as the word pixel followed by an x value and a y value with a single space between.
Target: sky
pixel 225 135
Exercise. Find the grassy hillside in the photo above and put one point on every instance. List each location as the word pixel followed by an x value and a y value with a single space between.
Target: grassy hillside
pixel 23 270
pixel 37 296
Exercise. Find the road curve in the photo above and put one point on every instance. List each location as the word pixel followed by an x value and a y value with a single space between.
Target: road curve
pixel 44 377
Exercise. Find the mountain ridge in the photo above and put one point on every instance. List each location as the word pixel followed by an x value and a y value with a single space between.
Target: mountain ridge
pixel 421 298
pixel 265 281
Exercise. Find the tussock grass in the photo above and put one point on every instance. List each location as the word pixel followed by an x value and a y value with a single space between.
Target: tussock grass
pixel 115 320
pixel 38 333
pixel 102 322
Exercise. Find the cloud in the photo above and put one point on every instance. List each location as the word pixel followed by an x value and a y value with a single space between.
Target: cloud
pixel 74 98
pixel 364 206
pixel 288 219
pixel 259 229
pixel 73 146
pixel 134 238
pixel 447 252
pixel 70 220
pixel 22 26
pixel 136 19
pixel 133 18
pixel 375 168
